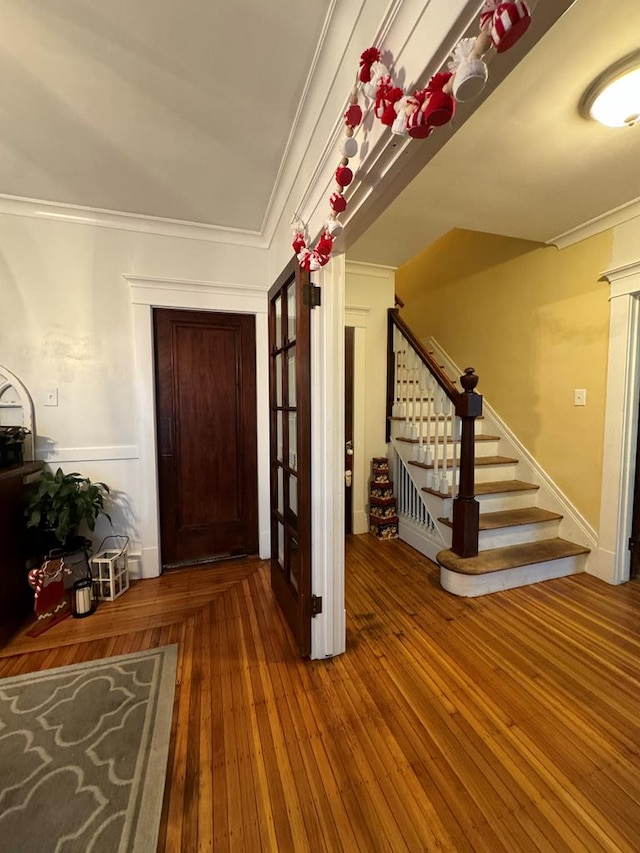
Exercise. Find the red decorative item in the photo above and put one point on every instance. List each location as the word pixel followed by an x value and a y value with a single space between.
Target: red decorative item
pixel 439 107
pixel 487 13
pixel 299 242
pixel 304 258
pixel 353 115
pixel 417 125
pixel 51 603
pixel 505 22
pixel 338 202
pixel 344 176
pixel 510 21
pixel 325 245
pixel 387 96
pixel 318 260
pixel 367 58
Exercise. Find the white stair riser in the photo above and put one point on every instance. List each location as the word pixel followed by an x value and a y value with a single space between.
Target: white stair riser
pixel 517 535
pixel 487 448
pixel 507 500
pixel 470 586
pixel 491 473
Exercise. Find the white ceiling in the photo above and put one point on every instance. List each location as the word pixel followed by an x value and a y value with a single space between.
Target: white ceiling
pixel 186 112
pixel 153 107
pixel 526 164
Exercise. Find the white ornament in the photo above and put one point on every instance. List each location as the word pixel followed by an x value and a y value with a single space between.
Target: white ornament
pixel 470 72
pixel 469 80
pixel 399 126
pixel 378 70
pixel 334 227
pixel 349 146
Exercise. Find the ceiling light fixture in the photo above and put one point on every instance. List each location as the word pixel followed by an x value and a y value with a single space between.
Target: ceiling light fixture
pixel 613 98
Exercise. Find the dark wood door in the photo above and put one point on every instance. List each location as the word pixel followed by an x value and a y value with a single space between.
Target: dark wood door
pixel 349 356
pixel 290 450
pixel 207 434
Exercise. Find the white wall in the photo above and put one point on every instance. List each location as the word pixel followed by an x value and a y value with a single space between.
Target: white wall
pixel 370 292
pixel 66 324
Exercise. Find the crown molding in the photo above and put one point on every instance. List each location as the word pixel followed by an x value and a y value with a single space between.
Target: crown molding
pixel 140 284
pixel 370 270
pixel 98 217
pixel 627 211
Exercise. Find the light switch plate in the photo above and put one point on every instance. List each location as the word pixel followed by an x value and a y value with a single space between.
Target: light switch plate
pixel 580 397
pixel 51 397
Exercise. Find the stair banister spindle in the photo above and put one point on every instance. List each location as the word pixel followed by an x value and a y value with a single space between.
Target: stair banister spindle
pixel 466 510
pixel 418 449
pixel 429 456
pixel 408 426
pixel 414 428
pixel 444 482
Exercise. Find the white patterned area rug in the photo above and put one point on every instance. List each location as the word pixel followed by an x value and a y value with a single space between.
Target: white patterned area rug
pixel 83 755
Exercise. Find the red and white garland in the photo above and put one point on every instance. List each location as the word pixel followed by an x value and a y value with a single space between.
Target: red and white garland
pixel 412 114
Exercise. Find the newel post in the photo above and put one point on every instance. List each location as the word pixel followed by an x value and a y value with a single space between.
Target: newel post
pixel 466 510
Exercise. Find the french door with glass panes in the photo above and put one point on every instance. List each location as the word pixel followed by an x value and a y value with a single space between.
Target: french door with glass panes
pixel 290 450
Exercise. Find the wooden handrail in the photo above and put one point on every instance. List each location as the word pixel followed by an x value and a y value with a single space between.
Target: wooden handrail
pixel 468 406
pixel 427 359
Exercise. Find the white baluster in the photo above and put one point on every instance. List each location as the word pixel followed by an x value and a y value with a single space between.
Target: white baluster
pixel 446 410
pixel 428 457
pixel 414 397
pixel 397 405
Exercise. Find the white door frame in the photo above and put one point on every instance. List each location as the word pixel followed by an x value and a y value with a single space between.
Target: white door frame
pixel 148 293
pixel 621 424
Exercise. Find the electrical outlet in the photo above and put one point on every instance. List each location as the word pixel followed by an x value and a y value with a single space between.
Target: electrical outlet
pixel 51 397
pixel 580 397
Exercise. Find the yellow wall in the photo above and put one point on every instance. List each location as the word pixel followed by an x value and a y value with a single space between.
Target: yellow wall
pixel 533 321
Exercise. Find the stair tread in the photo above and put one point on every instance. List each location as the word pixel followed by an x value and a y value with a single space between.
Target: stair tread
pixel 497 486
pixel 510 557
pixel 512 518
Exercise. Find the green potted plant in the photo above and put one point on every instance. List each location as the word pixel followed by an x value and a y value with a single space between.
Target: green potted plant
pixel 58 504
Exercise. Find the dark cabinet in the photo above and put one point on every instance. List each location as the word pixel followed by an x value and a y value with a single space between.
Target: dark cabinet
pixel 16 598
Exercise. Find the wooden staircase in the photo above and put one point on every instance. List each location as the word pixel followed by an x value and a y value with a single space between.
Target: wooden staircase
pixel 518 542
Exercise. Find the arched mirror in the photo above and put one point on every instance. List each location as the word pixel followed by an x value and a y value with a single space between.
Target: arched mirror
pixel 16 412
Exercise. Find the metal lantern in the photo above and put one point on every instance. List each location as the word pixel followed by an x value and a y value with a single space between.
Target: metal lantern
pixel 110 569
pixel 82 603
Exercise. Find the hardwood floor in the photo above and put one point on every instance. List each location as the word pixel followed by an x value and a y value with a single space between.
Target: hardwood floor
pixel 506 723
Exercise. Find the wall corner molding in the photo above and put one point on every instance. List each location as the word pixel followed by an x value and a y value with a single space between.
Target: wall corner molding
pixel 597 225
pixel 52 211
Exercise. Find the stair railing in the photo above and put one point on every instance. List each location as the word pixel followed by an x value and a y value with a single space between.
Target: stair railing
pixel 437 417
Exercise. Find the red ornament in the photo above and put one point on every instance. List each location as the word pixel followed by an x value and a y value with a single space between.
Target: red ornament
pixel 318 259
pixel 325 244
pixel 304 258
pixel 417 125
pixel 510 21
pixel 338 202
pixel 353 115
pixel 439 106
pixel 387 96
pixel 344 176
pixel 299 242
pixel 368 57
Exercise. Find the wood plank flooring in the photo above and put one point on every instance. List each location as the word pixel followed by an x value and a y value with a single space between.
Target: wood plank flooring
pixel 505 723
